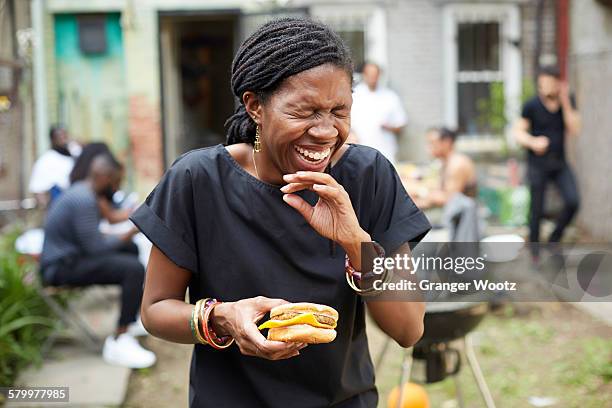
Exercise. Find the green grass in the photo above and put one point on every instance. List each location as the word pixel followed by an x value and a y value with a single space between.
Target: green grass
pixel 592 369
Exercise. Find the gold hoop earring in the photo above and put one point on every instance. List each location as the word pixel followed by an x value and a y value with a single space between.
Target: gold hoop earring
pixel 257 146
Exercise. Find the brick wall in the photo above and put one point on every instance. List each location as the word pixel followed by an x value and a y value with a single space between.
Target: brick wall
pixel 144 107
pixel 144 129
pixel 528 35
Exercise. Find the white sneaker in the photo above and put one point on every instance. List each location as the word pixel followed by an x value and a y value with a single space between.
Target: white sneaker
pixel 137 329
pixel 127 352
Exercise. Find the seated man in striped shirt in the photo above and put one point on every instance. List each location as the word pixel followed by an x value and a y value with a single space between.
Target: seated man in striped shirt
pixel 76 253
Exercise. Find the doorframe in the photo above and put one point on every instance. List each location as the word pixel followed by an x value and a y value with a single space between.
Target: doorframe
pixel 235 13
pixel 508 16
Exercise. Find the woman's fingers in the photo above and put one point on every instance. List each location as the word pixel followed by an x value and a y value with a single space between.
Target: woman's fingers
pixel 257 307
pixel 254 343
pixel 291 350
pixel 325 191
pixel 275 350
pixel 250 340
pixel 293 187
pixel 329 193
pixel 270 347
pixel 264 304
pixel 311 177
pixel 284 357
pixel 299 204
pixel 259 346
pixel 322 183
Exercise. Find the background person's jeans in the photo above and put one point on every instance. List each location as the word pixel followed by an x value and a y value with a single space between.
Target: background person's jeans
pixel 113 268
pixel 564 180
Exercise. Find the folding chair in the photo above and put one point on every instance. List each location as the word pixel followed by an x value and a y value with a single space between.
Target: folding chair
pixel 30 245
pixel 69 316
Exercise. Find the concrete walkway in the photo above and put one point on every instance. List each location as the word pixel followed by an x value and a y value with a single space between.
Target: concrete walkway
pixel 91 381
pixel 599 310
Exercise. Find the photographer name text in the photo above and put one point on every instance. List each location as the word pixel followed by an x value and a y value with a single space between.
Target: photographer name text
pixel 453 287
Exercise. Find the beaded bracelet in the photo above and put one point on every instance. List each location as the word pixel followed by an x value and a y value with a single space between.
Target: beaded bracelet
pixel 353 275
pixel 209 334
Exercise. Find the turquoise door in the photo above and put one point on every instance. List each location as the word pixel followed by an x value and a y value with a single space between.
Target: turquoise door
pixel 92 100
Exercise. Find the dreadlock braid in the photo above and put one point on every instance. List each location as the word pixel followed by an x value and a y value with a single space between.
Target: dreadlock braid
pixel 277 50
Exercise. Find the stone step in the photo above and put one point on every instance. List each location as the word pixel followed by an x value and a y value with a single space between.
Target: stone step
pixel 91 381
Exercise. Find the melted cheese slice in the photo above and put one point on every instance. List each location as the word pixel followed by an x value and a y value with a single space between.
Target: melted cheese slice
pixel 305 318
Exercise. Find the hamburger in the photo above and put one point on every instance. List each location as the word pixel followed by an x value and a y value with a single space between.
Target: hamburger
pixel 302 323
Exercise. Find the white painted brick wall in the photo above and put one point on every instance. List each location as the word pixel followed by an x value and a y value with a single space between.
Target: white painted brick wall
pixel 415 69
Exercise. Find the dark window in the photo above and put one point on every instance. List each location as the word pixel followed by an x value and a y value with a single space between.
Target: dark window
pixel 6 79
pixel 479 54
pixel 478 46
pixel 92 34
pixel 470 95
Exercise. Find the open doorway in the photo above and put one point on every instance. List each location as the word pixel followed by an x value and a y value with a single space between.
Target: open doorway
pixel 196 51
pixel 196 56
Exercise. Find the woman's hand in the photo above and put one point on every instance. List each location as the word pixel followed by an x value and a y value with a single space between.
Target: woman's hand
pixel 333 215
pixel 238 319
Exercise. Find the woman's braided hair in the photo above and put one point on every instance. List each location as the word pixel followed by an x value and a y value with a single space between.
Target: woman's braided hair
pixel 277 50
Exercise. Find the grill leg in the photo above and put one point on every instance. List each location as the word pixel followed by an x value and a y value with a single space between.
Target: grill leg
pixel 405 375
pixel 477 372
pixel 458 392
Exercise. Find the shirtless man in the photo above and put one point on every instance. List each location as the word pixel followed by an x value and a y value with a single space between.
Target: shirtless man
pixel 458 173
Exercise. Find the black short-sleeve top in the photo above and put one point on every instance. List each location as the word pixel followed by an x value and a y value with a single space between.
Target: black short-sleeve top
pixel 549 124
pixel 240 240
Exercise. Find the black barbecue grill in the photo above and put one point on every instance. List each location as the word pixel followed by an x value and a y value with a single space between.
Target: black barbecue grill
pixel 446 322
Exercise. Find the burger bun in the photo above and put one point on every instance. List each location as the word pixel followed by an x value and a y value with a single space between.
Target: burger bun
pixel 302 333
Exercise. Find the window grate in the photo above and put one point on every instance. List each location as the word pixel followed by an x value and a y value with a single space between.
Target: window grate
pixel 479 65
pixel 92 34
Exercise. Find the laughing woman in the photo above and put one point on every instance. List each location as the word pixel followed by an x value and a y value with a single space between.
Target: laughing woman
pixel 272 217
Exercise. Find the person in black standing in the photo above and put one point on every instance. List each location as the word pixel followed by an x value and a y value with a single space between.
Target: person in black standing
pixel 546 120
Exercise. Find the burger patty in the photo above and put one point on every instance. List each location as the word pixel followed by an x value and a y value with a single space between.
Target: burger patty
pixel 320 318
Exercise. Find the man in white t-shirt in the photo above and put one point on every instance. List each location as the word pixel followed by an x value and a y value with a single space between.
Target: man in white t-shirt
pixel 377 116
pixel 51 172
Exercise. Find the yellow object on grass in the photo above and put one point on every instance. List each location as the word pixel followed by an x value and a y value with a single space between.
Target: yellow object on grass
pixel 413 396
